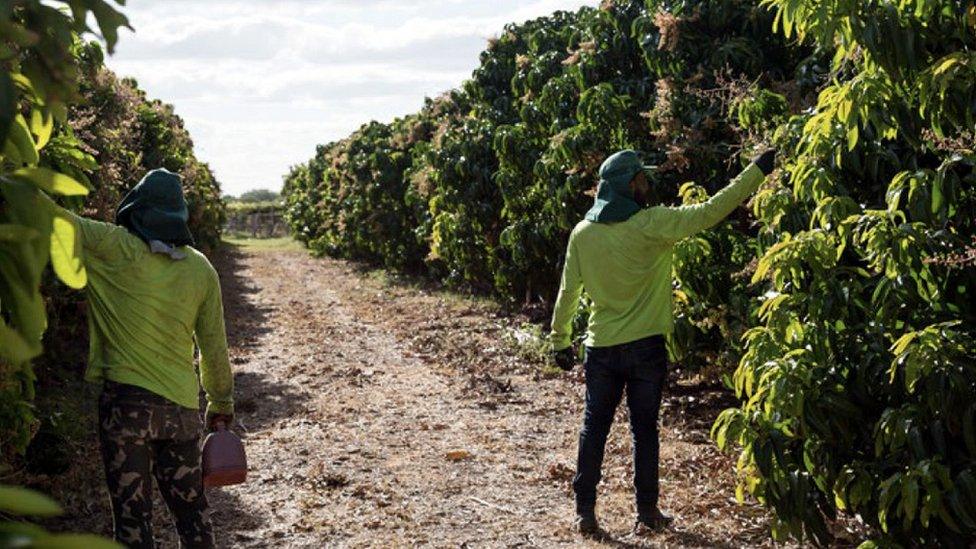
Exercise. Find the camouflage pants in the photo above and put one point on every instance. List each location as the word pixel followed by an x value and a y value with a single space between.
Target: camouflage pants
pixel 143 435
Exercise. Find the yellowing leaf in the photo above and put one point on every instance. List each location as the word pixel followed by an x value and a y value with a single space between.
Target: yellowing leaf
pixel 41 125
pixel 65 257
pixel 903 342
pixel 51 181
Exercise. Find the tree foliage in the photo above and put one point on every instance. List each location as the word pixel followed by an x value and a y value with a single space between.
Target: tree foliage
pixel 256 195
pixel 37 83
pixel 858 380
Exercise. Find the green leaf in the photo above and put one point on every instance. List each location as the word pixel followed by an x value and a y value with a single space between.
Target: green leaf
pixel 13 347
pixel 17 233
pixel 909 500
pixel 74 541
pixel 19 146
pixel 937 197
pixel 24 502
pixel 19 531
pixel 109 20
pixel 946 63
pixel 65 253
pixel 903 342
pixel 51 181
pixel 852 135
pixel 946 518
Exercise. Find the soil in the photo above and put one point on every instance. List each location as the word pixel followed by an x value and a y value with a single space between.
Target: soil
pixel 384 412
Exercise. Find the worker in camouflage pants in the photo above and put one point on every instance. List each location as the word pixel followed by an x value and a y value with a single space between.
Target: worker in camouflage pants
pixel 142 436
pixel 152 301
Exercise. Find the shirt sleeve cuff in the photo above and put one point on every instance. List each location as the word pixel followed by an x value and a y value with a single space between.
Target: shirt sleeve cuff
pixel 559 342
pixel 220 407
pixel 753 173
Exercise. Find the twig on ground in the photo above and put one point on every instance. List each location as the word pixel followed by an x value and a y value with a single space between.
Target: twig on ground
pixel 494 505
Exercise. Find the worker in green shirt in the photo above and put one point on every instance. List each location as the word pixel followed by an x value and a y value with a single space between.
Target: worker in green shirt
pixel 621 255
pixel 150 294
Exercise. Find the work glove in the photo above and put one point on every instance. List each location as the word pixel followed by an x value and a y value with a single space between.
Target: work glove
pixel 565 358
pixel 214 419
pixel 765 160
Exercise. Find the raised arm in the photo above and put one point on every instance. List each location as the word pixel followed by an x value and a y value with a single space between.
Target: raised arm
pixel 94 236
pixel 215 374
pixel 675 223
pixel 567 301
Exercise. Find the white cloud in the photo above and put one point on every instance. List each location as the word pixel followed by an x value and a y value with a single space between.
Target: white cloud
pixel 260 83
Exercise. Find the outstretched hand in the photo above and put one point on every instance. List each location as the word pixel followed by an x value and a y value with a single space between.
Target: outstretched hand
pixel 765 160
pixel 565 359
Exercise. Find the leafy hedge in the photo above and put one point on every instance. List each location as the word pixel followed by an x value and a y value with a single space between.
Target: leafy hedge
pixel 858 380
pixel 851 283
pixel 258 219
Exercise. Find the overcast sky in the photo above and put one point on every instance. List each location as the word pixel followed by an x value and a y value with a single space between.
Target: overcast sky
pixel 260 82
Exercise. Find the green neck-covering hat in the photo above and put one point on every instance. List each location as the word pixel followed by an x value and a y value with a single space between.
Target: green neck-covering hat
pixel 614 198
pixel 156 210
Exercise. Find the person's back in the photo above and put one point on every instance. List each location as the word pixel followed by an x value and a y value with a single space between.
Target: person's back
pixel 145 309
pixel 621 270
pixel 152 299
pixel 621 254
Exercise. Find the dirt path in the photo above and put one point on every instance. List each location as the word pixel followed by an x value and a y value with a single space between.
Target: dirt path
pixel 378 413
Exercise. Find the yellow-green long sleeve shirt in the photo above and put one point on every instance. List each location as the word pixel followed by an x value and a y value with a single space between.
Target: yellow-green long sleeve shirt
pixel 144 311
pixel 625 267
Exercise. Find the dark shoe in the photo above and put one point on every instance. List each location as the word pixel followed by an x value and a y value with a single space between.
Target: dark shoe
pixel 586 523
pixel 651 520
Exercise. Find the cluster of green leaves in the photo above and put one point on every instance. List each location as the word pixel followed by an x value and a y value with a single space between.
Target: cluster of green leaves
pixel 21 502
pixel 858 381
pixel 37 84
pixel 482 186
pixel 71 129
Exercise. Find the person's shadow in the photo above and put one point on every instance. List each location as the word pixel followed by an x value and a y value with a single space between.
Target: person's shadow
pixel 672 537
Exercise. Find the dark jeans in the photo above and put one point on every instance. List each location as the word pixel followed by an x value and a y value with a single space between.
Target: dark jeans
pixel 641 368
pixel 144 436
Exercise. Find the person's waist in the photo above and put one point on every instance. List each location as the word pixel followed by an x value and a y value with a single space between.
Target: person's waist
pixel 125 391
pixel 656 340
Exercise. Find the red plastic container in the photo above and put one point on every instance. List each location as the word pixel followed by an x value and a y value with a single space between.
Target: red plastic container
pixel 224 461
